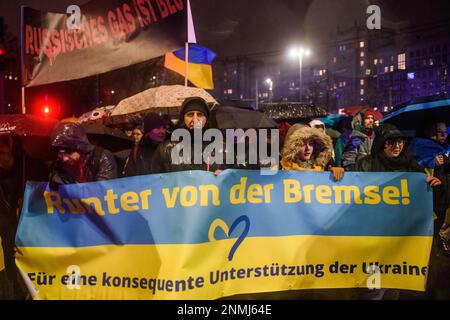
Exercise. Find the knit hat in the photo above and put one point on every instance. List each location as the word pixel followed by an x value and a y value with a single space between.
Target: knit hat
pixel 152 121
pixel 194 104
pixel 369 113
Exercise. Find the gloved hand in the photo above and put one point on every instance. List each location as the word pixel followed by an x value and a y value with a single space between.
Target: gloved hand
pixel 337 172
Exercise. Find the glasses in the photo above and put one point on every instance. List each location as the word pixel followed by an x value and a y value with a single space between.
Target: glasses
pixel 393 142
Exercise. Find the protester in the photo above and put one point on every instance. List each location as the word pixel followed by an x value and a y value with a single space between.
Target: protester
pixel 77 160
pixel 9 202
pixel 308 149
pixel 194 114
pixel 360 140
pixel 140 159
pixel 138 133
pixel 128 129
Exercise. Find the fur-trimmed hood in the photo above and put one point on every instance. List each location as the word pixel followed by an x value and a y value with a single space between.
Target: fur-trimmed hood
pixel 295 138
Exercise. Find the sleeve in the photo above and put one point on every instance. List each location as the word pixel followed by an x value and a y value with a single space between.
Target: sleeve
pixel 351 152
pixel 107 167
pixel 158 159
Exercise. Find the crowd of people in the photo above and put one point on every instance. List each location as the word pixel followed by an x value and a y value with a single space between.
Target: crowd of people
pixel 354 144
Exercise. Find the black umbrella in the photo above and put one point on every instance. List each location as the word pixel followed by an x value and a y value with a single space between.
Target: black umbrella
pixel 111 139
pixel 418 112
pixel 227 117
pixel 293 112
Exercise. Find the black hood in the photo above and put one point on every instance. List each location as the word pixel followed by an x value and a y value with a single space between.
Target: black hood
pixel 383 133
pixel 70 136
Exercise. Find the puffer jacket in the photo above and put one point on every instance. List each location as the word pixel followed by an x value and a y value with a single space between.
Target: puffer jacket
pixel 295 137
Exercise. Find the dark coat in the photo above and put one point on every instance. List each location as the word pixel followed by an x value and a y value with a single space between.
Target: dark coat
pixel 100 165
pixel 162 161
pixel 142 164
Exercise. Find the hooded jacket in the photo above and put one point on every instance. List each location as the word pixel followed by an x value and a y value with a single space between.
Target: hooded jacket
pixel 295 138
pixel 359 144
pixel 162 161
pixel 379 162
pixel 100 163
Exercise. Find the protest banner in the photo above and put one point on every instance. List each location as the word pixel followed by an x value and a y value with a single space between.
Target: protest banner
pixel 111 34
pixel 193 235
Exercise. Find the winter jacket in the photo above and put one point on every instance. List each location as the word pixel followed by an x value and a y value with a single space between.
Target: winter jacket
pixel 100 163
pixel 163 162
pixel 357 147
pixel 142 164
pixel 295 137
pixel 377 161
pixel 425 151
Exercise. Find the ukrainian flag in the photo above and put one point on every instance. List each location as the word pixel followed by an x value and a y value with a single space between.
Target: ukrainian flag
pixel 200 70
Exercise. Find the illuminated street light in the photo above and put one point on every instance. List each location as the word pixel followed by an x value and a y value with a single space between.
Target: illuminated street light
pixel 299 52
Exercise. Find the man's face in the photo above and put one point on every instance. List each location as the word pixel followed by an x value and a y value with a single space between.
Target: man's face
pixel 69 157
pixel 368 122
pixel 6 157
pixel 191 117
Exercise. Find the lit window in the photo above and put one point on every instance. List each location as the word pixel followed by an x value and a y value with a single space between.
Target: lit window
pixel 392 68
pixel 381 61
pixel 375 61
pixel 431 62
pixel 361 54
pixel 361 82
pixel 361 63
pixel 361 92
pixel 361 44
pixel 344 83
pixel 368 72
pixel 386 69
pixel 334 59
pixel 402 61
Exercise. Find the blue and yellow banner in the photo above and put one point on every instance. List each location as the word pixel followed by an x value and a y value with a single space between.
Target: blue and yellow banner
pixel 193 235
pixel 199 65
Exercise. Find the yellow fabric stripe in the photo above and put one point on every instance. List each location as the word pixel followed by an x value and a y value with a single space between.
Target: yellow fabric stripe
pixel 200 75
pixel 179 262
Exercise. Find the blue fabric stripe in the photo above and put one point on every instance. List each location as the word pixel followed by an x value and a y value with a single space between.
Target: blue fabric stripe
pixel 197 54
pixel 160 225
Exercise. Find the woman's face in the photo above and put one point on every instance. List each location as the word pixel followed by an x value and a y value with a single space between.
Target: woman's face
pixel 137 135
pixel 305 152
pixel 393 147
pixel 157 134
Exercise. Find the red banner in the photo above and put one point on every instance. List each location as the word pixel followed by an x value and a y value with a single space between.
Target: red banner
pixel 111 34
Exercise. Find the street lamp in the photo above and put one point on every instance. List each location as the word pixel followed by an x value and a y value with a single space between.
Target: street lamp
pixel 269 82
pixel 299 52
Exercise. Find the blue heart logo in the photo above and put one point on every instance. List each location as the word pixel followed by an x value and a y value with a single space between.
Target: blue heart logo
pixel 219 223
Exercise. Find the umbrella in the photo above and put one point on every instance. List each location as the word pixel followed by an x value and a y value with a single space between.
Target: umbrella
pixel 352 111
pixel 161 99
pixel 96 114
pixel 112 139
pixel 293 112
pixel 414 115
pixel 34 133
pixel 333 120
pixel 234 117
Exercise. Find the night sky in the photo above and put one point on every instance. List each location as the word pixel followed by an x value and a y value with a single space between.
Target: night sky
pixel 235 27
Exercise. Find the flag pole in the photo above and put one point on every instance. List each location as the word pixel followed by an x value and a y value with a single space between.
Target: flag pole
pixel 186 62
pixel 22 61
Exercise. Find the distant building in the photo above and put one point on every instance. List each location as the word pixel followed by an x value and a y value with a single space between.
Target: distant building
pixel 379 68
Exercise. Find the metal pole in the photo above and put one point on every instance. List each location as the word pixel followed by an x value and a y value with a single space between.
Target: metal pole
pixel 256 93
pixel 186 61
pixel 300 62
